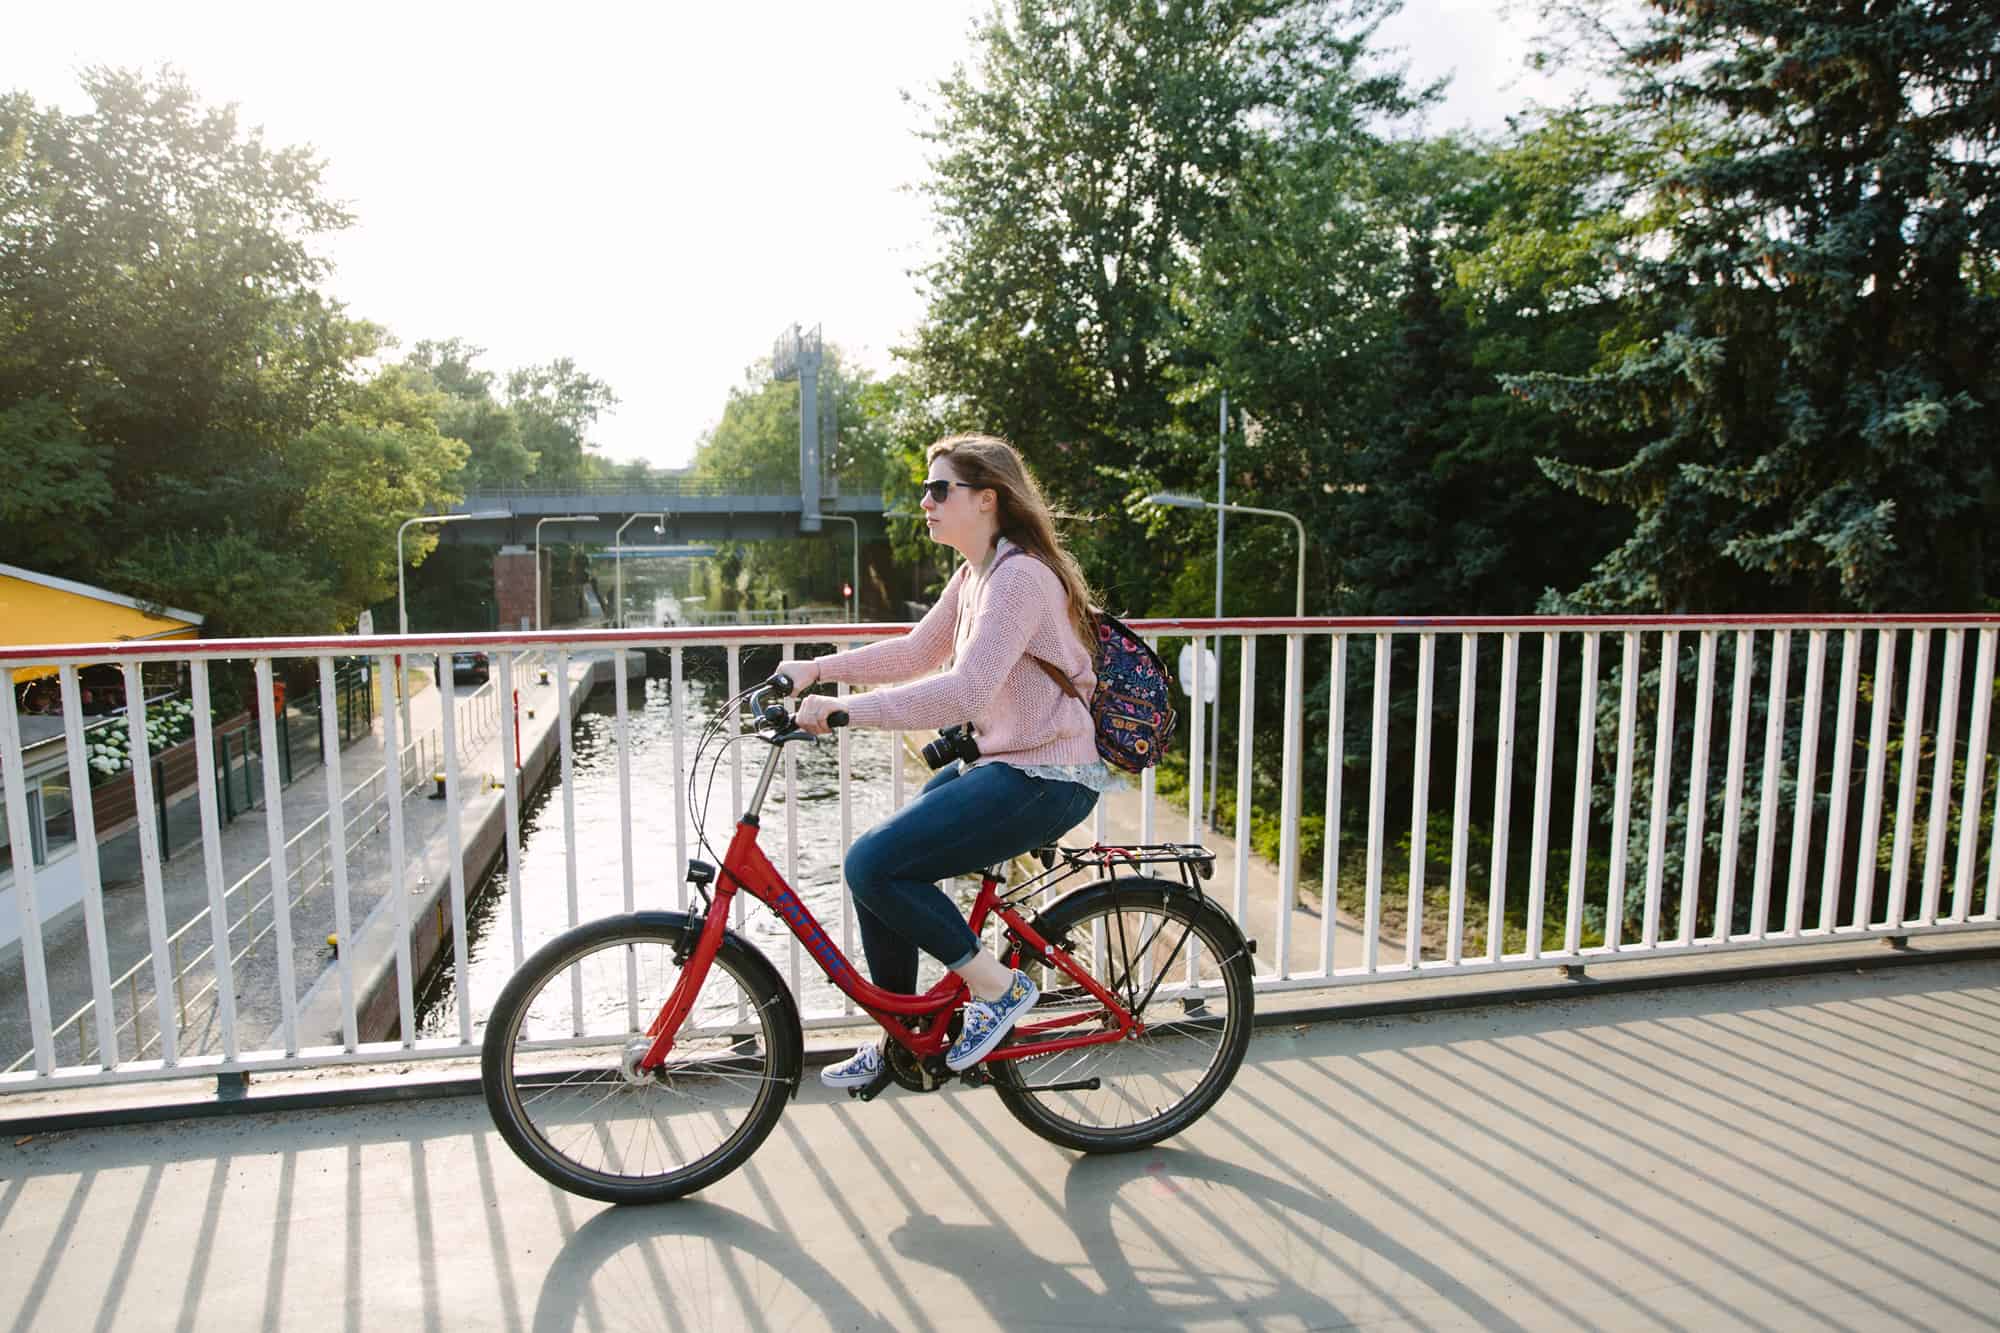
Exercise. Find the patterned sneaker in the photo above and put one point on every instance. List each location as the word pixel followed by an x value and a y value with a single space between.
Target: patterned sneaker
pixel 857 1071
pixel 987 1021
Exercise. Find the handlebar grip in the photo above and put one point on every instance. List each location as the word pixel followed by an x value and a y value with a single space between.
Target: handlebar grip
pixel 780 682
pixel 837 719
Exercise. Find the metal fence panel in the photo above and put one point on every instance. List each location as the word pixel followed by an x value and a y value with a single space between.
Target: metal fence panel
pixel 1674 850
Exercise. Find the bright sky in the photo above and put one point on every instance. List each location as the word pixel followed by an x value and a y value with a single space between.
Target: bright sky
pixel 653 192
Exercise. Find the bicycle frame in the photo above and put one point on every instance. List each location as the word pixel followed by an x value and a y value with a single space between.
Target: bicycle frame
pixel 745 868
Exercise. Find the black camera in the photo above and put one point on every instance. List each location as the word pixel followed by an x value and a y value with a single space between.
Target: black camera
pixel 952 743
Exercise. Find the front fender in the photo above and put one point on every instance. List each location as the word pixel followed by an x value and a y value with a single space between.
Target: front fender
pixel 788 1060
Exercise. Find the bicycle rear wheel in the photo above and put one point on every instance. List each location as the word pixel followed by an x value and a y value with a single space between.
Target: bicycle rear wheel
pixel 1181 965
pixel 560 1061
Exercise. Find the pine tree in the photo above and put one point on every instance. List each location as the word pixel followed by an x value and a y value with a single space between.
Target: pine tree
pixel 1808 383
pixel 1414 546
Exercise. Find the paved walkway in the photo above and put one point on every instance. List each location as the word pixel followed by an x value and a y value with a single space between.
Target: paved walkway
pixel 1815 1153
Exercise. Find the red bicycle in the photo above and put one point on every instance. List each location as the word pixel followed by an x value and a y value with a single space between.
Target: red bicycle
pixel 641 1057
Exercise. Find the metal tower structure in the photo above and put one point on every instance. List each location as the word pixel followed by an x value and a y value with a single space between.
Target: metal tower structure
pixel 797 356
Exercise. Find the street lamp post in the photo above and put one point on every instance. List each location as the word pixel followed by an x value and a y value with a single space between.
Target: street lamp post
pixel 553 518
pixel 1175 501
pixel 854 611
pixel 618 557
pixel 1221 522
pixel 402 612
pixel 402 615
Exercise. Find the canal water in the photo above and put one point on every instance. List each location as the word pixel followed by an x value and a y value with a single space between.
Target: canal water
pixel 543 890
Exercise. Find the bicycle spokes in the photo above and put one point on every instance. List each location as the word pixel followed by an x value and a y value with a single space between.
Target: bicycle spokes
pixel 1177 965
pixel 571 1085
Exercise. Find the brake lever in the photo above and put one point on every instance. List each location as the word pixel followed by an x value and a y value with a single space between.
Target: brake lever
pixel 775 715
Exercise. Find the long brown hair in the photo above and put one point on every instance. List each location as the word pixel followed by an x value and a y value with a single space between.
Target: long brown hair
pixel 990 463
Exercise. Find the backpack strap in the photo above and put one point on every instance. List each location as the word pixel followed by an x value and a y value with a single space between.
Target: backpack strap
pixel 1067 685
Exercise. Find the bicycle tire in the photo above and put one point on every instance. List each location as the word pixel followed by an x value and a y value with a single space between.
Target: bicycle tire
pixel 555 1072
pixel 1155 1086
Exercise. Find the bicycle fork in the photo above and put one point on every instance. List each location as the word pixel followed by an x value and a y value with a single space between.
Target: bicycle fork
pixel 694 971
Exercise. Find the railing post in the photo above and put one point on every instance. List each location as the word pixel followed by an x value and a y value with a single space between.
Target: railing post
pixel 160 806
pixel 223 791
pixel 180 987
pixel 138 1015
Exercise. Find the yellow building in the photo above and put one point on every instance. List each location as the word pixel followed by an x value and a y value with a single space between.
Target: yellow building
pixel 38 608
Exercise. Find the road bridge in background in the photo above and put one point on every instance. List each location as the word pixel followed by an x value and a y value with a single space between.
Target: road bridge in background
pixel 695 512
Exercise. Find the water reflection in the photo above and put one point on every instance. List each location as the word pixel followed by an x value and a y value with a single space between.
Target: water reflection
pixel 812 866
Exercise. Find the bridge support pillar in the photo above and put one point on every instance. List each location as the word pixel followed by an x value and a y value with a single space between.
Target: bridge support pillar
pixel 514 586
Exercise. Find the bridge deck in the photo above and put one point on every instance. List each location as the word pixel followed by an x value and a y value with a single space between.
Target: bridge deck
pixel 1816 1152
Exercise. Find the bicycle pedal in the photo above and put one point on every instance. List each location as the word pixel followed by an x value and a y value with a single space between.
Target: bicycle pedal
pixel 870 1091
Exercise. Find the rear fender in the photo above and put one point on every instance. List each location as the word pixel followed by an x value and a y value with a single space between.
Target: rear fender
pixel 1132 891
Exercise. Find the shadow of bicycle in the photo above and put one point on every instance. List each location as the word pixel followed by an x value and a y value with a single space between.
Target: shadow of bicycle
pixel 1165 1238
pixel 1172 1238
pixel 691 1264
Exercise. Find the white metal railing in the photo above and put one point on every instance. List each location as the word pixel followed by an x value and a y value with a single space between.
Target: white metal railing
pixel 311 849
pixel 1561 798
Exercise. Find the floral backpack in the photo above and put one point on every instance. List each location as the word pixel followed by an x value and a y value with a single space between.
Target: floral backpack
pixel 1133 706
pixel 1134 703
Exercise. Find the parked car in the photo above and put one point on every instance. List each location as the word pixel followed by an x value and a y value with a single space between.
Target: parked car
pixel 470 666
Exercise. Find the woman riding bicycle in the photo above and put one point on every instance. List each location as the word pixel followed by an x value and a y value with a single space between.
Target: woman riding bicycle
pixel 1014 616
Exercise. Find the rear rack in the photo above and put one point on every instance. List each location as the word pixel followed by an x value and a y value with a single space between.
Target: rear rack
pixel 1109 856
pixel 1060 863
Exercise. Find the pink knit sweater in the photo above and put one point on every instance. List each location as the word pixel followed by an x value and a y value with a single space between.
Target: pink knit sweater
pixel 1019 715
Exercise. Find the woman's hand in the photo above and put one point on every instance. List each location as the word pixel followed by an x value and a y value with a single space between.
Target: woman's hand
pixel 814 711
pixel 803 672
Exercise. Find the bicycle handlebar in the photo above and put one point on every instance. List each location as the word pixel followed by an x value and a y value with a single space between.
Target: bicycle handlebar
pixel 781 685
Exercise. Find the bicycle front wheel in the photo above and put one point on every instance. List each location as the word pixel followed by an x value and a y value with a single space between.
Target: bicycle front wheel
pixel 562 1048
pixel 1180 964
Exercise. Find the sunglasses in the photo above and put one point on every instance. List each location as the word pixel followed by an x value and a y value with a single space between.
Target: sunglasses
pixel 940 490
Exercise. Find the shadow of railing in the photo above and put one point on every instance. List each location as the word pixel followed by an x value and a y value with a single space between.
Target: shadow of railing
pixel 1804 1152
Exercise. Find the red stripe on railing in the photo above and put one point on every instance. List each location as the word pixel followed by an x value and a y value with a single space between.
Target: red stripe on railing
pixel 352 645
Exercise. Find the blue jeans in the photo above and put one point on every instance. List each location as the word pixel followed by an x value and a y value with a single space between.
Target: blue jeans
pixel 963 822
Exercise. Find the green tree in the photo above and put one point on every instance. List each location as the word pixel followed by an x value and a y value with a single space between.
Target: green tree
pixel 158 278
pixel 1102 170
pixel 495 456
pixel 1806 386
pixel 179 401
pixel 55 485
pixel 381 458
pixel 554 407
pixel 322 520
pixel 756 442
pixel 1443 508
